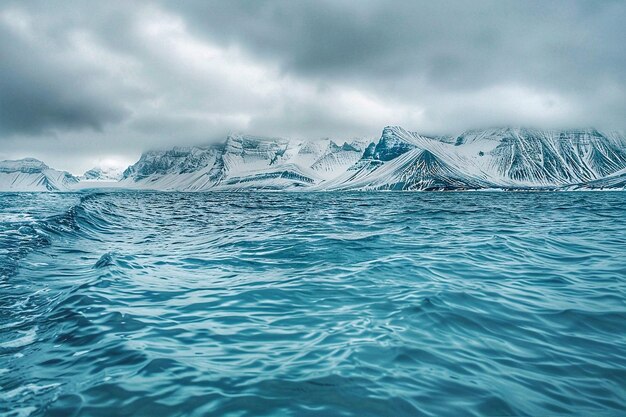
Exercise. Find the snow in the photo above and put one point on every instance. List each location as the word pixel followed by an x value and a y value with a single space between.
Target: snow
pixel 615 181
pixel 107 174
pixel 31 174
pixel 489 158
pixel 499 158
pixel 244 162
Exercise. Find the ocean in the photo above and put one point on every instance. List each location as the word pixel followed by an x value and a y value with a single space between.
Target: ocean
pixel 313 304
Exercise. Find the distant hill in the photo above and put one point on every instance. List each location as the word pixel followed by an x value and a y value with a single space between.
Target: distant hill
pixel 30 174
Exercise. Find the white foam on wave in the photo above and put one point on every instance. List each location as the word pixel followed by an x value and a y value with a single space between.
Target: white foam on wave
pixel 27 338
pixel 15 217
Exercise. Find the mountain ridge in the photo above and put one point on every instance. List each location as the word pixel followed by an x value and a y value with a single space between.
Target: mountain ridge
pixel 30 174
pixel 505 158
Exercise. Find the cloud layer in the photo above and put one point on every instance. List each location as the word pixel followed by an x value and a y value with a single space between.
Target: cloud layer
pixel 92 81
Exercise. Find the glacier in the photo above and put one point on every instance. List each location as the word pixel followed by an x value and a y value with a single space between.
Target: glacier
pixel 479 159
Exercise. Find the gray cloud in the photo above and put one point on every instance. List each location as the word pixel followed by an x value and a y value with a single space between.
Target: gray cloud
pixel 38 92
pixel 89 80
pixel 454 44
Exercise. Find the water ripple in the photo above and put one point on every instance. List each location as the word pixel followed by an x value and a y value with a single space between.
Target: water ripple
pixel 363 304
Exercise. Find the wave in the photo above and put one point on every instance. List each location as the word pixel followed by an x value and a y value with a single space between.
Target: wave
pixel 301 304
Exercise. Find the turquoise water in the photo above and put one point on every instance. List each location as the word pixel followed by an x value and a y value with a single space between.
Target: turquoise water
pixel 275 304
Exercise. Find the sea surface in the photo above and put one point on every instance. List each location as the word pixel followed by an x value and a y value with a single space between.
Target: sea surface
pixel 313 304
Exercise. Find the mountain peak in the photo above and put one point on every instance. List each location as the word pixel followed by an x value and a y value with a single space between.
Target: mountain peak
pixel 501 157
pixel 103 174
pixel 23 165
pixel 30 174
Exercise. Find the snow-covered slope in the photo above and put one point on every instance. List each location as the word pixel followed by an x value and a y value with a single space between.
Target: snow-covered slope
pixel 527 157
pixel 616 181
pixel 31 174
pixel 102 174
pixel 490 158
pixel 504 158
pixel 243 162
pixel 415 170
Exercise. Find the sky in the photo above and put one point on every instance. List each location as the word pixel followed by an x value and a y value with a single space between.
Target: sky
pixel 87 83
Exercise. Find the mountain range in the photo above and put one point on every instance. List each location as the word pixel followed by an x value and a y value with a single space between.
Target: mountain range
pixel 102 174
pixel 30 174
pixel 502 158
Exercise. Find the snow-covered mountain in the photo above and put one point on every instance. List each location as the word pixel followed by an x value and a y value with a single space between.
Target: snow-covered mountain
pixel 616 181
pixel 504 158
pixel 244 162
pixel 492 158
pixel 31 174
pixel 102 174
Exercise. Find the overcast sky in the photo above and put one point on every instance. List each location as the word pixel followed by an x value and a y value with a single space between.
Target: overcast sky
pixel 84 83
